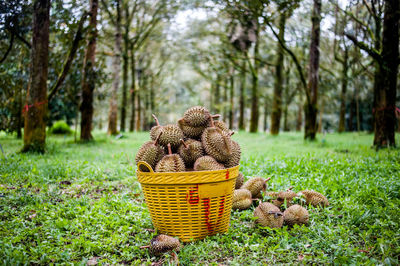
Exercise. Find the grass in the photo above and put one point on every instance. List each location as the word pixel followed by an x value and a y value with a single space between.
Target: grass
pixel 82 203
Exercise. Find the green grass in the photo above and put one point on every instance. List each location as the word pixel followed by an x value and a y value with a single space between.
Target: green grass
pixel 82 201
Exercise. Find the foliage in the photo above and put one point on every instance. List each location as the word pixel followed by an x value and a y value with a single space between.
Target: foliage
pixel 60 127
pixel 83 202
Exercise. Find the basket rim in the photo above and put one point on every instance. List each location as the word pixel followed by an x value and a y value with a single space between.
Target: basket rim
pixel 217 175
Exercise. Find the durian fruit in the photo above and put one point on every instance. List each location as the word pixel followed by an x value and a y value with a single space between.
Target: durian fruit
pixel 221 125
pixel 190 151
pixel 268 215
pixel 170 162
pixel 216 143
pixel 197 116
pixel 239 180
pixel 282 196
pixel 190 131
pixel 295 214
pixel 314 198
pixel 171 135
pixel 234 158
pixel 207 163
pixel 255 185
pixel 155 130
pixel 162 243
pixel 241 199
pixel 150 152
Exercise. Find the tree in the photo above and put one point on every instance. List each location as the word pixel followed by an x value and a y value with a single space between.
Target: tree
pixel 89 76
pixel 36 100
pixel 386 57
pixel 311 107
pixel 278 85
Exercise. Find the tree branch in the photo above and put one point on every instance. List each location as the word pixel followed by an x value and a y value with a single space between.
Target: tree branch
pixel 8 49
pixel 23 40
pixel 108 11
pixel 70 57
pixel 372 52
pixel 295 60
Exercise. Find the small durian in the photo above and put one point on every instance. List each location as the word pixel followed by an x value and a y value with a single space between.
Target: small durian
pixel 197 116
pixel 255 185
pixel 150 152
pixel 314 198
pixel 155 130
pixel 190 131
pixel 268 215
pixel 234 158
pixel 221 125
pixel 241 199
pixel 171 135
pixel 207 163
pixel 162 243
pixel 190 151
pixel 216 143
pixel 239 180
pixel 282 196
pixel 295 214
pixel 170 162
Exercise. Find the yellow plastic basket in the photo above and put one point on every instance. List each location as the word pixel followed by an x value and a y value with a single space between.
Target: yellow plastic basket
pixel 189 205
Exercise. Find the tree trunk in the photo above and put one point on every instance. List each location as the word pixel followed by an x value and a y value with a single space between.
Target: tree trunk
pixel 36 98
pixel 89 76
pixel 321 114
pixel 385 110
pixel 299 120
pixel 285 119
pixel 125 70
pixel 265 114
pixel 231 97
pixel 343 93
pixel 217 97
pixel 225 109
pixel 242 126
pixel 278 86
pixel 133 91
pixel 254 89
pixel 116 66
pixel 311 108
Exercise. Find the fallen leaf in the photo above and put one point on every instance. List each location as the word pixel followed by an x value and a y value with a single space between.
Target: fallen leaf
pixel 300 257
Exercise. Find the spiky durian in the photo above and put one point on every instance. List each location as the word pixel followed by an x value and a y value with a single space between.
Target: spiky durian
pixel 190 131
pixel 314 198
pixel 282 196
pixel 295 214
pixel 268 215
pixel 155 130
pixel 255 185
pixel 221 125
pixel 162 243
pixel 216 143
pixel 170 162
pixel 150 152
pixel 241 199
pixel 190 151
pixel 172 135
pixel 207 163
pixel 234 158
pixel 197 116
pixel 239 180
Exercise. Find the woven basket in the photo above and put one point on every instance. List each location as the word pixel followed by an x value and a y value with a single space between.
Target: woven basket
pixel 189 205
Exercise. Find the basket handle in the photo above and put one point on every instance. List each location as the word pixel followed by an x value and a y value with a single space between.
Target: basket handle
pixel 143 166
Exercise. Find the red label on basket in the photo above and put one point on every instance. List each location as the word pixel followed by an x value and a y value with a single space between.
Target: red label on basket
pixel 227 174
pixel 193 195
pixel 206 202
pixel 221 206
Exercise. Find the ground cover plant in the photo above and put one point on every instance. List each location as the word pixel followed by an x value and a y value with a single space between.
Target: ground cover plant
pixel 82 203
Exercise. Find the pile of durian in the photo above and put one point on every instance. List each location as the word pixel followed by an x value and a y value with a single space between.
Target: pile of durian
pixel 280 208
pixel 197 142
